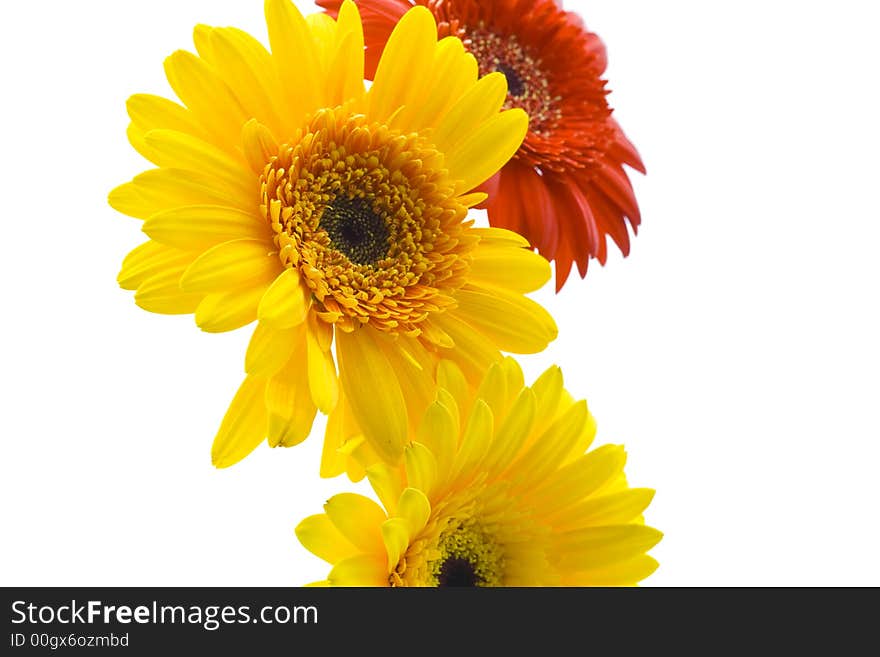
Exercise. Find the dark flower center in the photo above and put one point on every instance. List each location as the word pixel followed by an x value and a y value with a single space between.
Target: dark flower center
pixel 456 571
pixel 355 230
pixel 515 85
pixel 528 86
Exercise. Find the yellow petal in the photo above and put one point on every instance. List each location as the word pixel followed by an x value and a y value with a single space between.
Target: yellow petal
pixel 585 476
pixel 360 570
pixel 473 350
pixel 472 199
pixel 451 378
pixel 321 330
pixel 149 112
pixel 453 72
pixel 247 68
pixel 161 293
pixel 448 402
pixel 513 322
pixel 548 389
pixel 346 73
pixel 493 390
pixel 387 483
pixel 499 237
pixel 373 391
pixel 480 103
pixel 323 384
pixel 207 96
pixel 296 62
pixel 362 456
pixel 549 450
pixel 516 269
pixel 127 199
pixel 436 87
pixel 487 149
pixel 421 467
pixel 513 432
pixel 624 573
pixel 171 187
pixel 415 508
pixel 202 226
pixel 231 264
pixel 439 433
pixel 341 429
pixel 412 365
pixel 204 47
pixel 434 334
pixel 243 426
pixel 616 508
pixel 149 259
pixel 514 374
pixel 333 462
pixel 323 29
pixel 226 311
pixel 137 138
pixel 288 402
pixel 395 534
pixel 597 547
pixel 259 145
pixel 320 537
pixel 178 149
pixel 587 435
pixel 359 519
pixel 475 440
pixel 158 190
pixel 286 302
pixel 407 56
pixel 270 349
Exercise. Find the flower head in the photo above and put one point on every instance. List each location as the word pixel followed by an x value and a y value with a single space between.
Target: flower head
pixel 566 189
pixel 497 488
pixel 335 216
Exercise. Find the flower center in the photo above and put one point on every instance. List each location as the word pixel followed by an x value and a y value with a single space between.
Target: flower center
pixel 515 86
pixel 527 84
pixel 356 230
pixel 456 571
pixel 469 556
pixel 371 221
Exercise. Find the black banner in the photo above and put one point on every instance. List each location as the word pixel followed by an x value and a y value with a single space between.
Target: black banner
pixel 406 621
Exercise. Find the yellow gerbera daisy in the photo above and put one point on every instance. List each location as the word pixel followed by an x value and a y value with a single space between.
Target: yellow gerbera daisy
pixel 495 490
pixel 336 217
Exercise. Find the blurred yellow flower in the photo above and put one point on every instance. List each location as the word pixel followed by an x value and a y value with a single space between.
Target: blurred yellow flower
pixel 497 488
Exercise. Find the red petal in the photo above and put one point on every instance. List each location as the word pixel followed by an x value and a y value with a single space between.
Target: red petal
pixel 579 235
pixel 563 266
pixel 614 182
pixel 609 219
pixel 504 208
pixel 490 187
pixel 543 229
pixel 623 150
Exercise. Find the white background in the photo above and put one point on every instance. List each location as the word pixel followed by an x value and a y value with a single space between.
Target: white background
pixel 735 352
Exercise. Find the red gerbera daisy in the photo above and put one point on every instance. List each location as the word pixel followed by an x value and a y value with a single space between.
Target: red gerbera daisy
pixel 566 189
